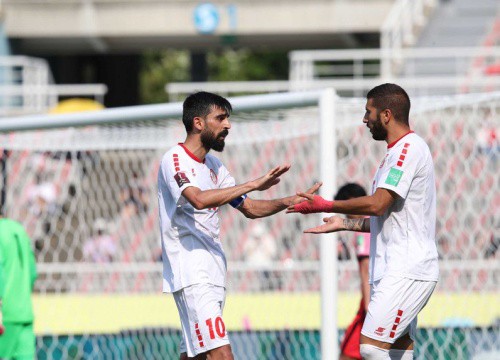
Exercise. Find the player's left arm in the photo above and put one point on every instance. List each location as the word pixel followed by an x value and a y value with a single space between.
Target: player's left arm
pixel 254 209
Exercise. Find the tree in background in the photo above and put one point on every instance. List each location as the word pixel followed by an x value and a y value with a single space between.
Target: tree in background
pixel 158 68
pixel 162 67
pixel 247 65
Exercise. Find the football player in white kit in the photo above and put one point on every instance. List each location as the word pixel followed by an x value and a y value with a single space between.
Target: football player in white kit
pixel 402 208
pixel 192 185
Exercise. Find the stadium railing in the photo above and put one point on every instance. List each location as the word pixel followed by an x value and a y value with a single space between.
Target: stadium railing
pixel 354 72
pixel 27 87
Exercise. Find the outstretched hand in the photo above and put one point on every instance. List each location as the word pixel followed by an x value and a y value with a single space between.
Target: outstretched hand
pixel 312 204
pixel 331 224
pixel 299 198
pixel 271 178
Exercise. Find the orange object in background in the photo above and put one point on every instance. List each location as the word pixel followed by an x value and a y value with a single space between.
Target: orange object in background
pixel 76 105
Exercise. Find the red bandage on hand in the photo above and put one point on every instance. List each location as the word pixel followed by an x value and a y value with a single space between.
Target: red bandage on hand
pixel 318 204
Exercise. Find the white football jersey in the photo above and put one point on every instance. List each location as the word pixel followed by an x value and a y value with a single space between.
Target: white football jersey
pixel 191 249
pixel 403 239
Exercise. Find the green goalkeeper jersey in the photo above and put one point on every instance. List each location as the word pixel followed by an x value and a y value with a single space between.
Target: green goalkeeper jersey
pixel 17 272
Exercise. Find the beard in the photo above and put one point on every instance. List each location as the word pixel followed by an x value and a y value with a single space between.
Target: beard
pixel 377 130
pixel 211 141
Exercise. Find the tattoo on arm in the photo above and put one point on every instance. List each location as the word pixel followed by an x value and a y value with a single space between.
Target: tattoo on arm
pixel 357 225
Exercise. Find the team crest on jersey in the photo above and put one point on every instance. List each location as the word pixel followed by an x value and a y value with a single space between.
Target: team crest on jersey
pixel 181 178
pixel 213 176
pixel 380 331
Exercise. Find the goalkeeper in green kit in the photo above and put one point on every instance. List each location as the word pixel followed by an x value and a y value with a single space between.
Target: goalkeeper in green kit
pixel 17 276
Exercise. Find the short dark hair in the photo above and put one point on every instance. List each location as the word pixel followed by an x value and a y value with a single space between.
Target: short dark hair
pixel 350 191
pixel 392 97
pixel 200 104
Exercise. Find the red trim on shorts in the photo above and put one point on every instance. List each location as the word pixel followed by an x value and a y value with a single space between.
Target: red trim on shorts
pixel 198 334
pixel 396 323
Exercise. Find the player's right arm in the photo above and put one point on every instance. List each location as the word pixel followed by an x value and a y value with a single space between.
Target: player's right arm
pixel 371 205
pixel 203 199
pixel 337 223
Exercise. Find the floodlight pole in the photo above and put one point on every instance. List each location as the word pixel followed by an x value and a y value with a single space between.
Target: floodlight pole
pixel 329 267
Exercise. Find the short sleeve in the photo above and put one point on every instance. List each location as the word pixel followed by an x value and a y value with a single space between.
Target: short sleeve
pixel 227 181
pixel 400 169
pixel 175 170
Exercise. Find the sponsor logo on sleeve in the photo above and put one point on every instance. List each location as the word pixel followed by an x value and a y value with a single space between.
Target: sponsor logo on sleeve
pixel 394 176
pixel 380 331
pixel 181 178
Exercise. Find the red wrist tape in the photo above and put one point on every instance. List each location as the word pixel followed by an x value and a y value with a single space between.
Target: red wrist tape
pixel 318 204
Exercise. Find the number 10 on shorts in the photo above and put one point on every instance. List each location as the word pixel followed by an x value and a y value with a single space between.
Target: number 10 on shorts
pixel 215 328
pixel 220 327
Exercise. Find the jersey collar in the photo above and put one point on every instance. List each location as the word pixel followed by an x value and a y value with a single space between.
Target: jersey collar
pixel 395 142
pixel 191 155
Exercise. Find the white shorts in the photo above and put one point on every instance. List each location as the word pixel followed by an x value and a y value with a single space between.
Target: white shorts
pixel 394 305
pixel 200 309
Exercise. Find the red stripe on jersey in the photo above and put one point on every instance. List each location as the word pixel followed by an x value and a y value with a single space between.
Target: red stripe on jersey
pixel 392 334
pixel 394 327
pixel 400 163
pixel 404 151
pixel 176 162
pixel 401 157
pixel 398 319
pixel 407 145
pixel 400 312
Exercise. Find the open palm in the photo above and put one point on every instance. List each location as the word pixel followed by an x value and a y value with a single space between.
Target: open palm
pixel 332 224
pixel 271 178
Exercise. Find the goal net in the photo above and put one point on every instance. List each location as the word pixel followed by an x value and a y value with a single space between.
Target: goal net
pixel 87 197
